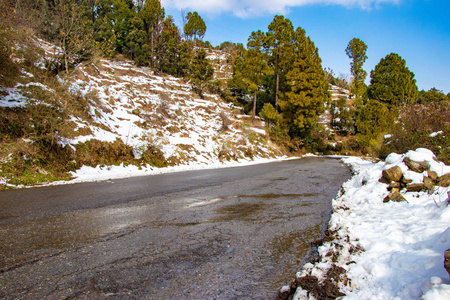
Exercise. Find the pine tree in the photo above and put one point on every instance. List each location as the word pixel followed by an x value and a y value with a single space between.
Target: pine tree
pixel 122 14
pixel 392 82
pixel 195 27
pixel 356 51
pixel 432 96
pixel 278 42
pixel 135 42
pixel 152 14
pixel 104 36
pixel 167 47
pixel 201 72
pixel 306 100
pixel 255 66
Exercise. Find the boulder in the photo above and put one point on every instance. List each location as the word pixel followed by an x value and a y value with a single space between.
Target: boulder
pixel 394 196
pixel 415 187
pixel 395 185
pixel 406 181
pixel 416 166
pixel 433 175
pixel 444 180
pixel 447 261
pixel 393 174
pixel 428 183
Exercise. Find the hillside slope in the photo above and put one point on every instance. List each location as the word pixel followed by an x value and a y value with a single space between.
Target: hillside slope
pixel 112 112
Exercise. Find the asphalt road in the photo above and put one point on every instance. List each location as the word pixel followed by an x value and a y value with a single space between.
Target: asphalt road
pixel 235 233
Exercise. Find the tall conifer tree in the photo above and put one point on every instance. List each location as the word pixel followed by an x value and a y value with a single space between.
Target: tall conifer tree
pixel 152 14
pixel 255 66
pixel 306 100
pixel 279 45
pixel 356 51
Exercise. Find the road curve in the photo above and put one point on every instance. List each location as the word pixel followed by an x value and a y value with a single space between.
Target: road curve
pixel 232 233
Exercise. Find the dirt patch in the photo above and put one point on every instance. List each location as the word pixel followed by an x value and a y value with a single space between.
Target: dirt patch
pixel 327 287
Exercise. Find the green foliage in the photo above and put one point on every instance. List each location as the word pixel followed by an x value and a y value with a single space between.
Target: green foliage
pixel 135 42
pixel 356 51
pixel 392 82
pixel 302 105
pixel 167 49
pixel 201 72
pixel 269 114
pixel 152 14
pixel 195 27
pixel 8 70
pixel 432 96
pixel 255 66
pixel 372 122
pixel 104 35
pixel 121 17
pixel 279 44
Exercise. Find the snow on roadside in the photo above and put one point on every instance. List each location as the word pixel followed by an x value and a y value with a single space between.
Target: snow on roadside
pixel 391 250
pixel 101 173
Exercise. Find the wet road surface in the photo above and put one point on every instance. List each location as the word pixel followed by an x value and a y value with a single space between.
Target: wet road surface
pixel 236 233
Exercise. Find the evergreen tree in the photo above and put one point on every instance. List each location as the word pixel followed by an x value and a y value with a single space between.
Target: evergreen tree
pixel 278 42
pixel 167 48
pixel 372 123
pixel 195 27
pixel 392 82
pixel 432 96
pixel 135 42
pixel 356 51
pixel 152 15
pixel 184 59
pixel 201 72
pixel 255 66
pixel 104 36
pixel 306 100
pixel 122 14
pixel 236 84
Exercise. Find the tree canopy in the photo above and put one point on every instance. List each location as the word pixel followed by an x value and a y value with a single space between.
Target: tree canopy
pixel 302 105
pixel 356 51
pixel 392 82
pixel 195 27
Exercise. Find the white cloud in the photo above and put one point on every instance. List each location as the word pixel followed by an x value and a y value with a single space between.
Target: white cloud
pixel 249 8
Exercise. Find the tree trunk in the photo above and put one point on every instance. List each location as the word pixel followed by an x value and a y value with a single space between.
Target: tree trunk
pixel 254 106
pixel 151 48
pixel 278 83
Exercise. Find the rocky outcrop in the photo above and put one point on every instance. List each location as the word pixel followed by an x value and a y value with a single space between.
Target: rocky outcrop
pixel 396 181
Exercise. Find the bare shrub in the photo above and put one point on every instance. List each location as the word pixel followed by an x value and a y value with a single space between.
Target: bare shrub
pixel 415 124
pixel 225 122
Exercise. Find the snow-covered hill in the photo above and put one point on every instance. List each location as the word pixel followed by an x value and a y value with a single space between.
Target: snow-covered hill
pixel 144 110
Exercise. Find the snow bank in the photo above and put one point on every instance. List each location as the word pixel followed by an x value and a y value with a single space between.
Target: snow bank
pixel 402 243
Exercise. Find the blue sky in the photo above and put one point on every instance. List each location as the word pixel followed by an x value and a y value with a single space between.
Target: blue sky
pixel 417 30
